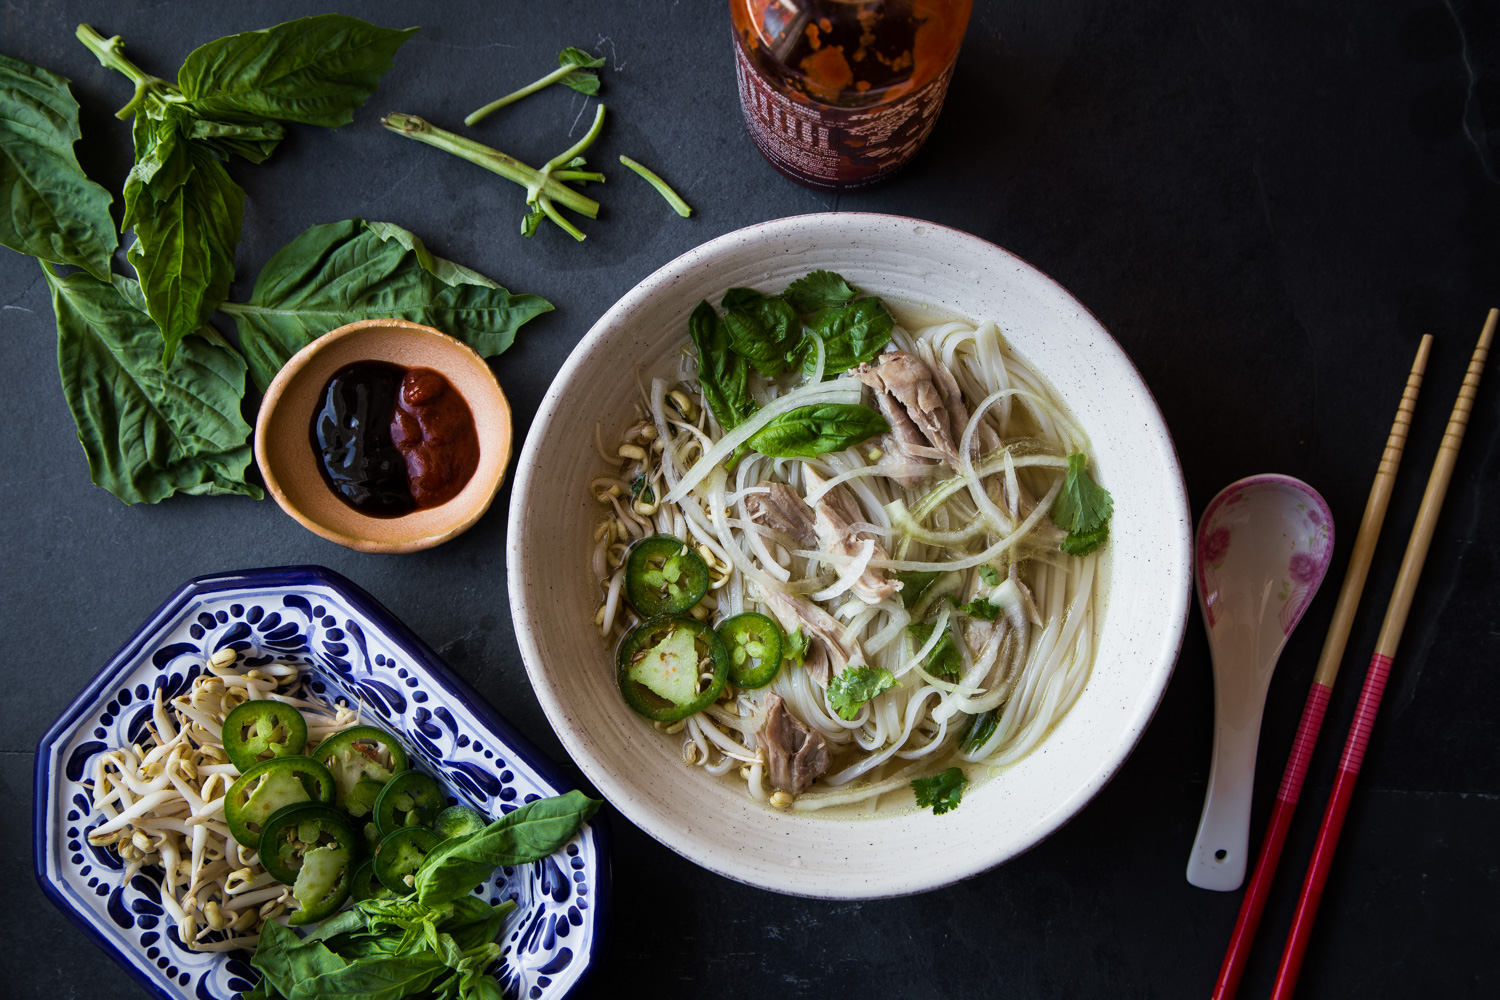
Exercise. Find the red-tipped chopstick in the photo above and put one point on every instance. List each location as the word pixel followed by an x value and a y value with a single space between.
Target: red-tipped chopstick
pixel 1287 795
pixel 1379 671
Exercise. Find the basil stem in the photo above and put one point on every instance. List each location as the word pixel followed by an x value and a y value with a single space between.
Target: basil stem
pixel 109 52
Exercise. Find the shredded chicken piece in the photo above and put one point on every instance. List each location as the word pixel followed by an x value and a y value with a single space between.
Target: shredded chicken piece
pixel 833 526
pixel 781 509
pixel 795 754
pixel 827 655
pixel 925 409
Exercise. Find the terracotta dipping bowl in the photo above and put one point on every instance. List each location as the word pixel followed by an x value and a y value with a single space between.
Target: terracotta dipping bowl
pixel 284 451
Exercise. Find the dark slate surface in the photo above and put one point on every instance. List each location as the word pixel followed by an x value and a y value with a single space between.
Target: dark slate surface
pixel 1267 204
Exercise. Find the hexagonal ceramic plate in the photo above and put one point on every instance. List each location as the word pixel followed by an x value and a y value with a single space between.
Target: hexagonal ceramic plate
pixel 354 649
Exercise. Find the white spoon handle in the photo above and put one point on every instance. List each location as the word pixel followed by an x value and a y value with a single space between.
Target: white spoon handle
pixel 1223 843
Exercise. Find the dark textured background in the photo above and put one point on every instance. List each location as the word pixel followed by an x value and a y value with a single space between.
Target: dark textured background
pixel 1267 204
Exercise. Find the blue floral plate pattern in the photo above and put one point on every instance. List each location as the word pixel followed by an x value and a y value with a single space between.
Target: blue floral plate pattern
pixel 353 649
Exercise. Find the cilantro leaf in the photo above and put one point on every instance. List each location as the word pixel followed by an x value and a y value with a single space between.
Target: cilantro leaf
pixel 981 608
pixel 913 586
pixel 1082 508
pixel 989 575
pixel 819 290
pixel 944 660
pixel 794 649
pixel 941 791
pixel 857 685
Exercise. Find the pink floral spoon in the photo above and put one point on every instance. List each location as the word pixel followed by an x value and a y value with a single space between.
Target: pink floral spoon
pixel 1263 546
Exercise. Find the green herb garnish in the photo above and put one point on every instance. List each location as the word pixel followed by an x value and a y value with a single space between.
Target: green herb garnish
pixel 945 659
pixel 989 575
pixel 941 791
pixel 573 70
pixel 857 685
pixel 1082 509
pixel 810 431
pixel 794 648
pixel 230 98
pixel 981 608
pixel 914 585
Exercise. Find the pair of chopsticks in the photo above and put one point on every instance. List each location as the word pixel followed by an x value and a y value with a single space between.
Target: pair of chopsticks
pixel 1290 791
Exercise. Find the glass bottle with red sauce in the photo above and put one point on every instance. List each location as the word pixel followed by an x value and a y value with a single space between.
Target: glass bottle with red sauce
pixel 839 94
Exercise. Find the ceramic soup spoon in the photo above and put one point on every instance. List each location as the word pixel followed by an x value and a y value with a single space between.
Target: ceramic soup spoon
pixel 1263 546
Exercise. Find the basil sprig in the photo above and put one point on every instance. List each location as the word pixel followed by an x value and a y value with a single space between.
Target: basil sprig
pixel 230 97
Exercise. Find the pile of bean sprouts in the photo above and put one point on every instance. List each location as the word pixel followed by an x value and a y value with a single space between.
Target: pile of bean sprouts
pixel 1028 674
pixel 163 803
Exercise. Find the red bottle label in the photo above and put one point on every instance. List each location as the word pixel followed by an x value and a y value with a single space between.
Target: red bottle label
pixel 836 148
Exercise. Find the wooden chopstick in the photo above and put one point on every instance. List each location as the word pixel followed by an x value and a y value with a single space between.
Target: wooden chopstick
pixel 1379 671
pixel 1290 791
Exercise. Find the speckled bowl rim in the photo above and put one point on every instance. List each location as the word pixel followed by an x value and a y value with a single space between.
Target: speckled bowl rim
pixel 290 370
pixel 792 880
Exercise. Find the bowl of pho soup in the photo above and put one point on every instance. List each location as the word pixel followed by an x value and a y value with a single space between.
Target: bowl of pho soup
pixel 849 555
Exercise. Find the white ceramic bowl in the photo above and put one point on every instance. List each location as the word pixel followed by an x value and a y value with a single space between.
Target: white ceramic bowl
pixel 921 267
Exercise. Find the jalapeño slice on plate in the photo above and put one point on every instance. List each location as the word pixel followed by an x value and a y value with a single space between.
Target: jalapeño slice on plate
pixel 754 644
pixel 411 798
pixel 664 576
pixel 364 885
pixel 671 667
pixel 311 848
pixel 400 854
pixel 269 786
pixel 262 729
pixel 360 754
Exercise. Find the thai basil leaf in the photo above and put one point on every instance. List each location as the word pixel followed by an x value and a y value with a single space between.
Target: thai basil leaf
pixel 580 80
pixel 857 685
pixel 309 970
pixel 186 212
pixel 723 374
pixel 345 271
pixel 530 833
pixel 53 211
pixel 763 329
pixel 148 433
pixel 941 791
pixel 979 730
pixel 819 290
pixel 315 70
pixel 944 660
pixel 852 334
pixel 810 431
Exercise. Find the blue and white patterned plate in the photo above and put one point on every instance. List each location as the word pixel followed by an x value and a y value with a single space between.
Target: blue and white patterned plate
pixel 354 649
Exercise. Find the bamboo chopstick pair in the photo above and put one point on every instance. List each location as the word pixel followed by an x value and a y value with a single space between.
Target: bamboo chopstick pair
pixel 1375 679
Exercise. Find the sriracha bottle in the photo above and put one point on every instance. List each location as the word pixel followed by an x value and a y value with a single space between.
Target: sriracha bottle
pixel 839 94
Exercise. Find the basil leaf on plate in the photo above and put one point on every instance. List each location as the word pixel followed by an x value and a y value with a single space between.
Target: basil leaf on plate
pixel 852 334
pixel 810 431
pixel 309 970
pixel 764 329
pixel 316 70
pixel 345 271
pixel 723 374
pixel 148 433
pixel 53 211
pixel 530 833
